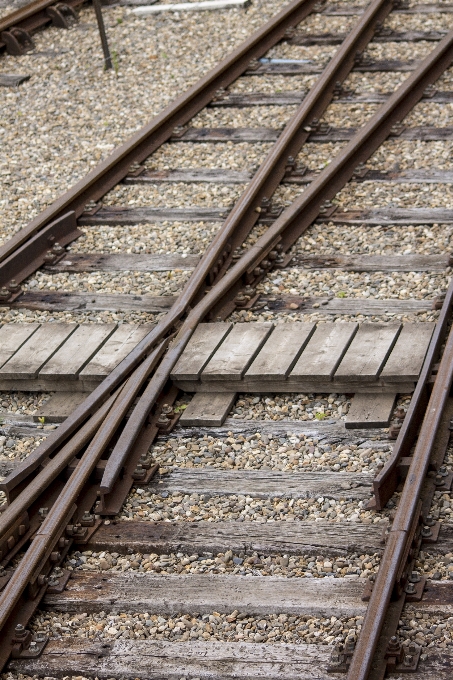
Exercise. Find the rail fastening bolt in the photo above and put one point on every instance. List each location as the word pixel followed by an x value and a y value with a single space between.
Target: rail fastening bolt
pixel 426 532
pixel 414 577
pixel 410 588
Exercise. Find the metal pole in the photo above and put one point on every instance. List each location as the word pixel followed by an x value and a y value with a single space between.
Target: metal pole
pixel 102 33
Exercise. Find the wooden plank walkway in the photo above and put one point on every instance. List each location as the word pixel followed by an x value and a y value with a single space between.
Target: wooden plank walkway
pixel 223 357
pixel 298 357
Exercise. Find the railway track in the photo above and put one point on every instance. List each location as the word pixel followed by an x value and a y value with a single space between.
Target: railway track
pixel 145 474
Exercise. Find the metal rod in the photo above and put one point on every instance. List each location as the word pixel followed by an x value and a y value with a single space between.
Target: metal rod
pixel 105 46
pixel 405 516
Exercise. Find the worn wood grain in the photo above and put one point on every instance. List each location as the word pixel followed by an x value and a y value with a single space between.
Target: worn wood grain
pixel 205 340
pixel 263 483
pixel 106 262
pixel 330 538
pixel 154 660
pixel 13 336
pixel 277 356
pixel 394 36
pixel 328 305
pixel 214 175
pixel 339 134
pixel 367 353
pixel 76 352
pixel 169 595
pixel 208 409
pixel 237 351
pixel 36 351
pixel 59 407
pixel 391 216
pixel 324 352
pixel 409 352
pixel 239 100
pixel 113 215
pixel 326 431
pixel 370 410
pixel 118 346
pixel 376 386
pixel 373 263
pixel 56 301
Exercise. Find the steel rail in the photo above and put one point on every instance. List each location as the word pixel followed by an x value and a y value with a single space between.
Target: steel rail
pixel 291 139
pixel 288 227
pixel 405 516
pixel 387 479
pixel 113 169
pixel 60 513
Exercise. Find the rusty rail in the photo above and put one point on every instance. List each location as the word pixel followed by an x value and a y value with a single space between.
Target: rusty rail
pixel 407 514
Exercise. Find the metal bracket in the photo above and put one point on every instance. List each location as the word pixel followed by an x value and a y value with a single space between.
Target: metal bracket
pixel 62 15
pixel 24 645
pixel 58 583
pixel 17 41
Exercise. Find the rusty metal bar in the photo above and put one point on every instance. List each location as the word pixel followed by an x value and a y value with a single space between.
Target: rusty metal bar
pixel 404 518
pixel 60 512
pixel 113 169
pixel 299 215
pixel 386 481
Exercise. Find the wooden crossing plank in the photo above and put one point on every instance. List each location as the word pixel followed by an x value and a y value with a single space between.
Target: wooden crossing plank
pixel 264 483
pixel 59 407
pixel 154 660
pixel 56 301
pixel 367 352
pixel 329 305
pixel 370 410
pixel 168 595
pixel 373 263
pixel 118 346
pixel 280 351
pixel 288 538
pixel 36 351
pixel 13 336
pixel 208 409
pixel 409 352
pixel 237 351
pixel 141 262
pixel 80 347
pixel 200 348
pixel 324 352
